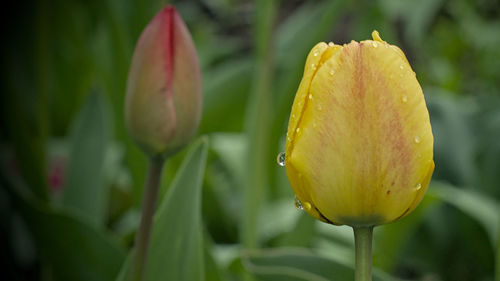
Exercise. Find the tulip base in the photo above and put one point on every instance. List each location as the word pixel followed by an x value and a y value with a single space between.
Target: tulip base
pixel 363 243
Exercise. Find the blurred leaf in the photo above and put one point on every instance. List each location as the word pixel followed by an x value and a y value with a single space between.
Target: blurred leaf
pixel 74 249
pixel 417 14
pixel 454 143
pixel 277 218
pixel 85 191
pixel 176 245
pixel 302 233
pixel 390 239
pixel 176 248
pixel 294 264
pixel 231 150
pixel 497 262
pixel 20 108
pixel 484 210
pixel 298 264
pixel 212 272
pixel 225 90
pixel 125 269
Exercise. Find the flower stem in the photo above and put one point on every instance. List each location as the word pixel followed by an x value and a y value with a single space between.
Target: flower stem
pixel 148 209
pixel 363 243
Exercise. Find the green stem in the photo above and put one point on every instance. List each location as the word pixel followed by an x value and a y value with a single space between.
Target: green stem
pixel 148 209
pixel 363 243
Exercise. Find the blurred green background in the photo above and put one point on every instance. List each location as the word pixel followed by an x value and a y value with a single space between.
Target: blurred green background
pixel 71 180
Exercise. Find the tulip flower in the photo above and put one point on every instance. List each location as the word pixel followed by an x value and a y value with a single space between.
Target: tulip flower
pixel 359 147
pixel 162 107
pixel 163 100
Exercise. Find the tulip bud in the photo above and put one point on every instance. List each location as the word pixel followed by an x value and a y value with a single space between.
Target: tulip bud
pixel 359 147
pixel 163 100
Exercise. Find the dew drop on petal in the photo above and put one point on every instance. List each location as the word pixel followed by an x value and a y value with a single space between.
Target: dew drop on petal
pixel 298 204
pixel 315 53
pixel 332 72
pixel 417 139
pixel 404 98
pixel 331 44
pixel 401 66
pixel 306 206
pixel 281 159
pixel 297 130
pixel 374 44
pixel 320 107
pixel 418 186
pixel 310 97
pixel 313 66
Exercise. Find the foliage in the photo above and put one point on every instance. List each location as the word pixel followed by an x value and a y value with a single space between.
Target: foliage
pixel 71 180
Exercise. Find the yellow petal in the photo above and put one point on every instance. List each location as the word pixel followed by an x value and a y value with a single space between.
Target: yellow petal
pixel 360 149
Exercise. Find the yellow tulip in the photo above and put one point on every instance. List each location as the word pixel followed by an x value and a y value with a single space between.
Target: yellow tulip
pixel 359 147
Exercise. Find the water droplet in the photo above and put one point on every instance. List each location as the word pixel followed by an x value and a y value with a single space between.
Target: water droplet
pixel 293 116
pixel 418 186
pixel 289 139
pixel 297 130
pixel 310 97
pixel 298 204
pixel 331 44
pixel 417 139
pixel 374 44
pixel 332 72
pixel 404 98
pixel 315 53
pixel 401 66
pixel 320 107
pixel 307 206
pixel 281 159
pixel 313 66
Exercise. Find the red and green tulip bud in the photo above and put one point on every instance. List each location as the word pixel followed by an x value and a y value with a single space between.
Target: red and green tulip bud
pixel 164 94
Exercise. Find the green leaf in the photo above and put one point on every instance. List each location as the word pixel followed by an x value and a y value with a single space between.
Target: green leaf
pixel 454 142
pixel 225 89
pixel 73 248
pixel 176 247
pixel 212 271
pixel 85 191
pixel 484 210
pixel 297 264
pixel 390 238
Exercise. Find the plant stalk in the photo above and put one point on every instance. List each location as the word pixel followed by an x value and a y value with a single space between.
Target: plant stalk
pixel 148 209
pixel 363 243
